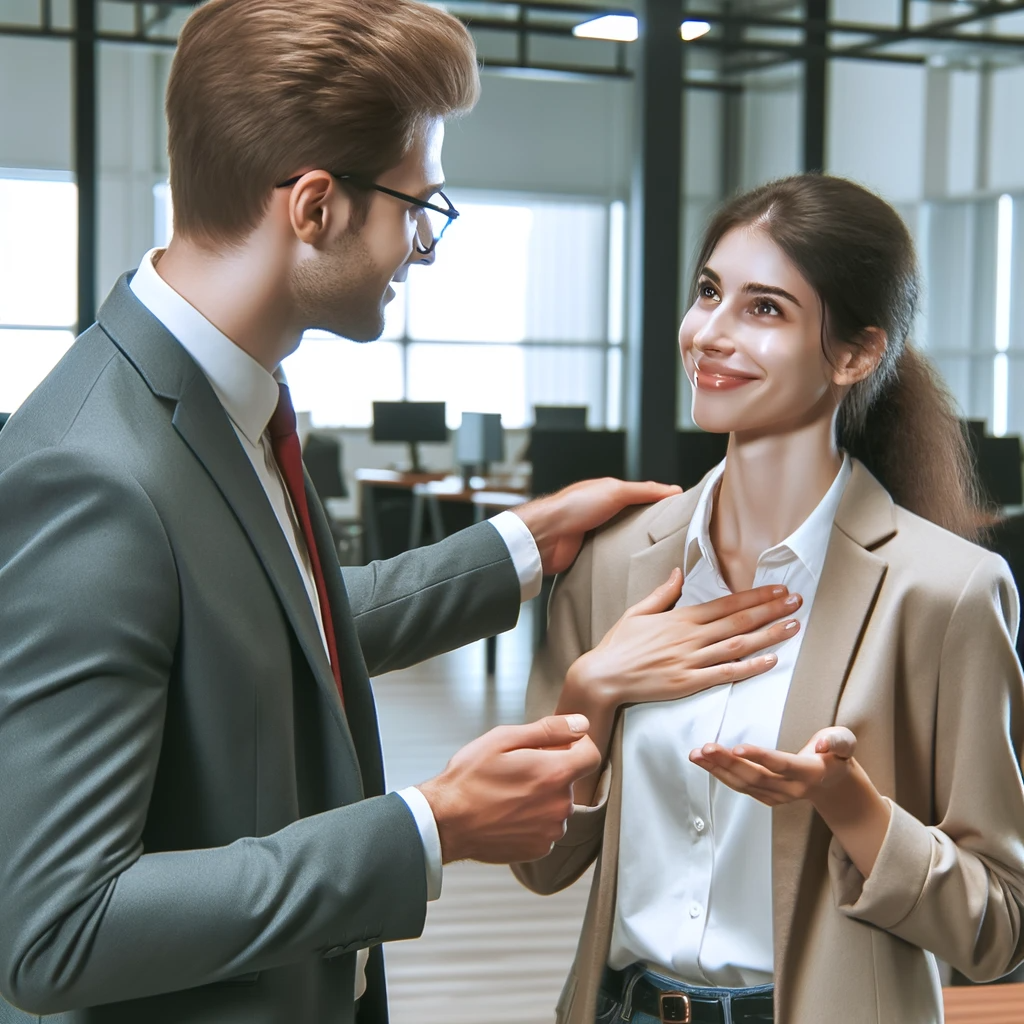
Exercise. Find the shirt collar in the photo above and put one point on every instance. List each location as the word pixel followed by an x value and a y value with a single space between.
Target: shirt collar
pixel 808 542
pixel 247 391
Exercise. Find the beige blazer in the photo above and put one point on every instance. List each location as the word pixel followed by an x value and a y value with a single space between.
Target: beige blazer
pixel 910 645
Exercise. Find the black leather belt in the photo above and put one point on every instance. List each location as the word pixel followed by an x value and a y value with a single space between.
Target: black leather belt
pixel 678 1007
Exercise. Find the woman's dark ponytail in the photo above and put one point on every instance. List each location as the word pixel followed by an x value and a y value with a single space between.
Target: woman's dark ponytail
pixel 856 252
pixel 913 442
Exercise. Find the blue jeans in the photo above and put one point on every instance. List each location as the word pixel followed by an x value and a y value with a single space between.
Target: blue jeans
pixel 610 1011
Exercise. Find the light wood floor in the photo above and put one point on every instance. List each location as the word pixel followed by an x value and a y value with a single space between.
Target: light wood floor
pixel 491 952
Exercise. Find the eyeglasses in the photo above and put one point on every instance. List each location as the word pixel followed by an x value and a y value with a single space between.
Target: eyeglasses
pixel 431 220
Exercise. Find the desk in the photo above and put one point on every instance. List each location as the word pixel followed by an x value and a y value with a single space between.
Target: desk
pixel 984 1004
pixel 373 482
pixel 431 493
pixel 427 492
pixel 481 493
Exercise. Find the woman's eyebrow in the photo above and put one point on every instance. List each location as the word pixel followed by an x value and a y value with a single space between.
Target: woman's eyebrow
pixel 752 287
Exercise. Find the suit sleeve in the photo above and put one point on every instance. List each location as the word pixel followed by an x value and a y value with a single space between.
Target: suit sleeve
pixel 568 636
pixel 957 888
pixel 433 599
pixel 89 618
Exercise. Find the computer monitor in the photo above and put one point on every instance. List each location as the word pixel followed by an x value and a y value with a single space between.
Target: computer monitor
pixel 998 463
pixel 697 452
pixel 411 422
pixel 480 441
pixel 562 457
pixel 559 417
pixel 999 469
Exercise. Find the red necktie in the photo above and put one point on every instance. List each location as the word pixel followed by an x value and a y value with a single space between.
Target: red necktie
pixel 285 442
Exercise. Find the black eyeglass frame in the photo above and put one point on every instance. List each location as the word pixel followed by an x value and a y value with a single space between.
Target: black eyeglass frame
pixel 451 213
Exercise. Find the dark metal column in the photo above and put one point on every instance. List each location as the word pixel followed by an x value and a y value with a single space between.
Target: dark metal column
pixel 86 169
pixel 815 85
pixel 732 108
pixel 656 237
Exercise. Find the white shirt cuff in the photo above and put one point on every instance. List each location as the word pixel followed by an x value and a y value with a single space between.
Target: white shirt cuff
pixel 419 806
pixel 523 549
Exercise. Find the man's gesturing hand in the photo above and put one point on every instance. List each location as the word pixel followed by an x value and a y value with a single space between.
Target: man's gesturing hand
pixel 506 796
pixel 560 521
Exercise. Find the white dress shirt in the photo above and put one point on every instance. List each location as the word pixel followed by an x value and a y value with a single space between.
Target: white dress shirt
pixel 249 396
pixel 695 876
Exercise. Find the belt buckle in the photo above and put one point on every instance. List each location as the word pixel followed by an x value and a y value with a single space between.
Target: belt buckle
pixel 674 1008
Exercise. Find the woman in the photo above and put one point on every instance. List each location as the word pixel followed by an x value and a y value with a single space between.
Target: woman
pixel 802 845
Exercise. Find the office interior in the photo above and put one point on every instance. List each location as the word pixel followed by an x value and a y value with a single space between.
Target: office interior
pixel 542 343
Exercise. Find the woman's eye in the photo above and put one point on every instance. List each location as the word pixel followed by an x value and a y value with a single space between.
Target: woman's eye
pixel 707 291
pixel 765 308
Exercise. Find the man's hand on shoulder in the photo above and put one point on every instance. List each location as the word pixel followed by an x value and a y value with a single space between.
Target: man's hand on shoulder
pixel 560 521
pixel 506 796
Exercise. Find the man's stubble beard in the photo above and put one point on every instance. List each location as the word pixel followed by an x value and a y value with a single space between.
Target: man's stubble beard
pixel 341 291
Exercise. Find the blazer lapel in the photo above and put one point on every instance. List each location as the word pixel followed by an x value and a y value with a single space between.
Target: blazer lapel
pixel 650 567
pixel 203 425
pixel 850 582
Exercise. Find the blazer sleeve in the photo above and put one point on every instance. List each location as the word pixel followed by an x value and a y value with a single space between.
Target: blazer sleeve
pixel 90 618
pixel 568 636
pixel 957 888
pixel 433 599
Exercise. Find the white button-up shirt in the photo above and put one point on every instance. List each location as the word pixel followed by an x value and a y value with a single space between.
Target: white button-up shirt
pixel 249 396
pixel 695 875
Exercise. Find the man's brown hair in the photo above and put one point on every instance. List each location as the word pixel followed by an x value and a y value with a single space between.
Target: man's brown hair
pixel 262 89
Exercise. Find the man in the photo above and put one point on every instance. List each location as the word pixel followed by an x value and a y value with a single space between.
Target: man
pixel 193 823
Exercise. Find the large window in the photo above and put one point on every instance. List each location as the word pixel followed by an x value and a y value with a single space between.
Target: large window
pixel 38 246
pixel 973 323
pixel 522 307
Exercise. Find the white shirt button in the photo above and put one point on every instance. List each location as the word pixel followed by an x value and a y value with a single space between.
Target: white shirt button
pixel 698 824
pixel 695 909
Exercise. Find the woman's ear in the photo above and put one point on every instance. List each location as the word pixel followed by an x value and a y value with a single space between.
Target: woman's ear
pixel 859 359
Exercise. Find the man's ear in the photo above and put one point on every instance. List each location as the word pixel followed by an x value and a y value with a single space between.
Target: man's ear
pixel 859 359
pixel 318 208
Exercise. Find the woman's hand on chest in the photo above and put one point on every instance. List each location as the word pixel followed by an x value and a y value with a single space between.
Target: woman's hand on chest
pixel 659 652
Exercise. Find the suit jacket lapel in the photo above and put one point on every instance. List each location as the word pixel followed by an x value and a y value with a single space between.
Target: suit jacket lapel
pixel 360 712
pixel 849 585
pixel 203 425
pixel 205 428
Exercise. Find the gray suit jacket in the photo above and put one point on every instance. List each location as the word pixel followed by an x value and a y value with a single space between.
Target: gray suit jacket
pixel 192 828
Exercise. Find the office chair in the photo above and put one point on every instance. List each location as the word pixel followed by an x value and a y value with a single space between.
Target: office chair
pixel 322 454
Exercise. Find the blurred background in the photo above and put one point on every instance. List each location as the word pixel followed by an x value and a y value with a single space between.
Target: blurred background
pixel 541 347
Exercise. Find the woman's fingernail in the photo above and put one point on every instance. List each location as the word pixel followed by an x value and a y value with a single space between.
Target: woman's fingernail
pixel 770 659
pixel 791 627
pixel 778 591
pixel 793 600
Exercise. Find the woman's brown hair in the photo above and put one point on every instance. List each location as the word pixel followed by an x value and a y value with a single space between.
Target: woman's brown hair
pixel 855 251
pixel 262 89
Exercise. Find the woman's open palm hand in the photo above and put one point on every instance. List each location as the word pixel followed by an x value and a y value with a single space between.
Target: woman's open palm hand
pixel 775 777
